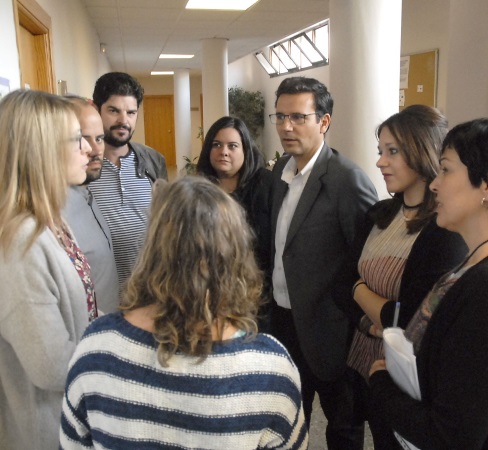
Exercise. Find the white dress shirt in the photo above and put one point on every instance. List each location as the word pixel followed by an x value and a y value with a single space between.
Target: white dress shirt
pixel 296 183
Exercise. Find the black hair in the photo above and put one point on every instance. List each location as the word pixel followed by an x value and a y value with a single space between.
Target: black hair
pixel 470 141
pixel 117 83
pixel 253 159
pixel 324 102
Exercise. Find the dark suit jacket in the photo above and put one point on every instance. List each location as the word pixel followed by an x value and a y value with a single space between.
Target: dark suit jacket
pixel 330 211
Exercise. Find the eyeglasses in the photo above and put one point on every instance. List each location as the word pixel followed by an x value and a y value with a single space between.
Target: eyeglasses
pixel 294 118
pixel 77 139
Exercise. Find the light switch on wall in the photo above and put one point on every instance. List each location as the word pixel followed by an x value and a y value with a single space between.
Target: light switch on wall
pixel 420 88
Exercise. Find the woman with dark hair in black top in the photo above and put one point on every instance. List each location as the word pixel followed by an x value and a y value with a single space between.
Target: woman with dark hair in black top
pixel 231 158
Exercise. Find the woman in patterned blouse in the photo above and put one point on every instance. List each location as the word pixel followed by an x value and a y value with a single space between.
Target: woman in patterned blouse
pixel 449 331
pixel 405 251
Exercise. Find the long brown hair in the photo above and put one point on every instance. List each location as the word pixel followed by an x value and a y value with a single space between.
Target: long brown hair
pixel 419 131
pixel 197 266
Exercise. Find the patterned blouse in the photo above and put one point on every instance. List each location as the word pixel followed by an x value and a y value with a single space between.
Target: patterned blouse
pixel 384 257
pixel 381 266
pixel 81 265
pixel 416 327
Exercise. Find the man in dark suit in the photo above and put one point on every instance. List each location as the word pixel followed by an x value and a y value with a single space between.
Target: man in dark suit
pixel 319 204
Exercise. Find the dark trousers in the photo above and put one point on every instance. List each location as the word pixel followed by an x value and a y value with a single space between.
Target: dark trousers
pixel 382 434
pixel 344 430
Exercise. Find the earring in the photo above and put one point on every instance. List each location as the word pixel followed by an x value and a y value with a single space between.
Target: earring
pixel 483 201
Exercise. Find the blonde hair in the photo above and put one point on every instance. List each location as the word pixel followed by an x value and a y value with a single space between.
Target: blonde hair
pixel 34 130
pixel 197 266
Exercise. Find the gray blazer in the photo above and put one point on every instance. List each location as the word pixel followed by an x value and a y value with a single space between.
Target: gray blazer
pixel 330 211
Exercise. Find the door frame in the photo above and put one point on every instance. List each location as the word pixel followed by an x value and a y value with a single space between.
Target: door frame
pixel 30 15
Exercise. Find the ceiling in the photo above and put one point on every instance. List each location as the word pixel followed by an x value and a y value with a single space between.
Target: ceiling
pixel 135 32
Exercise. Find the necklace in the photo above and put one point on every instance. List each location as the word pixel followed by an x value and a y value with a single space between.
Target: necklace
pixel 411 207
pixel 469 256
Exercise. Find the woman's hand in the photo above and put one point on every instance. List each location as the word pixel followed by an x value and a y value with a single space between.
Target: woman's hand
pixel 379 364
pixel 375 331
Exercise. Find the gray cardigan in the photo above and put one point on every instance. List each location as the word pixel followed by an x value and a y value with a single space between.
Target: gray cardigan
pixel 43 315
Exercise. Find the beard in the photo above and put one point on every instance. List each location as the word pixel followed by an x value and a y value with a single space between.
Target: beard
pixel 114 141
pixel 93 174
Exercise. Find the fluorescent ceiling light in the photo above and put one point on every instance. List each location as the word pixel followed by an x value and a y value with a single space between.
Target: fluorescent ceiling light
pixel 232 5
pixel 169 56
pixel 154 72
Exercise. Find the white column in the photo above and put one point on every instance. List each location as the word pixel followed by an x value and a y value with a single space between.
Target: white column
pixel 365 39
pixel 182 113
pixel 467 67
pixel 214 81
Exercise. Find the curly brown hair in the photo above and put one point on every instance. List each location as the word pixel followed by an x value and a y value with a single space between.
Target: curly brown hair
pixel 197 266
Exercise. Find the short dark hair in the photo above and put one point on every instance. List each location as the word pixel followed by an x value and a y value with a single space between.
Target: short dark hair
pixel 470 141
pixel 116 83
pixel 324 102
pixel 253 160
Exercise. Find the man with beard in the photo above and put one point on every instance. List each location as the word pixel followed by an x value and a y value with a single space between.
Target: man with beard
pixel 84 216
pixel 123 192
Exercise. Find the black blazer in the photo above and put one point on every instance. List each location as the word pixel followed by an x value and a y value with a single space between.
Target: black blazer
pixel 331 210
pixel 452 366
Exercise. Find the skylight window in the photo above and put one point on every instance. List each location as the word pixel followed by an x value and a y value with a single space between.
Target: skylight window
pixel 306 49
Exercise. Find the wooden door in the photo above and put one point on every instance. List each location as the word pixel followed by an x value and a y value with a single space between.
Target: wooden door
pixel 159 125
pixel 33 27
pixel 28 61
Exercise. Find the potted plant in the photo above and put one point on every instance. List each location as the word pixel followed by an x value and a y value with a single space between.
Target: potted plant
pixel 190 165
pixel 249 107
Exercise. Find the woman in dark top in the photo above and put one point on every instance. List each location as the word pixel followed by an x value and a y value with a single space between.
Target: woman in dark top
pixel 230 157
pixel 449 330
pixel 405 251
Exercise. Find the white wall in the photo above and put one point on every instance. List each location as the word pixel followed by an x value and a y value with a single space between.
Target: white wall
pixel 9 59
pixel 76 47
pixel 467 73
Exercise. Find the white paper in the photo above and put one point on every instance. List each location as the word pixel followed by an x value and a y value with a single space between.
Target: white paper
pixel 402 366
pixel 402 98
pixel 404 70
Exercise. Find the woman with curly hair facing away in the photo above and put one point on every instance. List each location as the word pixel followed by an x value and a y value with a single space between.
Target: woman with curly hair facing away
pixel 183 365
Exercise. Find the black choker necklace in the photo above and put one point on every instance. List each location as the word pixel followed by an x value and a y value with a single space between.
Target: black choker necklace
pixel 411 207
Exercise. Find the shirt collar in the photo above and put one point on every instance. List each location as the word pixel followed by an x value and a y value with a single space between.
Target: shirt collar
pixel 290 169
